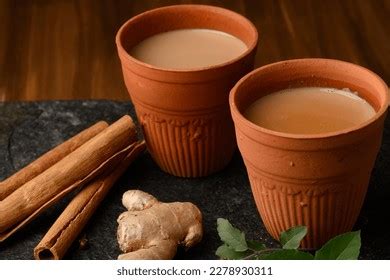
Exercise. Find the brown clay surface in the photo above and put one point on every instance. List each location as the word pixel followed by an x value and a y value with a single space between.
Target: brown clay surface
pixel 317 180
pixel 184 113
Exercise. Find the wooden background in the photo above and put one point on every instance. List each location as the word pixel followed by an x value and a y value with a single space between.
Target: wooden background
pixel 64 49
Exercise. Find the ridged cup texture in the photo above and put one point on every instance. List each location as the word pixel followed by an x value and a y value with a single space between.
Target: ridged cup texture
pixel 319 180
pixel 184 114
pixel 188 146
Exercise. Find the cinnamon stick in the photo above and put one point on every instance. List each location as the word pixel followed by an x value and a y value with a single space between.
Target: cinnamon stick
pixel 79 167
pixel 27 173
pixel 76 215
pixel 112 161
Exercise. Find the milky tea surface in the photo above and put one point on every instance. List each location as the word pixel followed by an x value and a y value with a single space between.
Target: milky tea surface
pixel 188 49
pixel 309 110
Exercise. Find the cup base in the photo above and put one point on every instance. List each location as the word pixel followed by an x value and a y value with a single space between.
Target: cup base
pixel 194 146
pixel 328 209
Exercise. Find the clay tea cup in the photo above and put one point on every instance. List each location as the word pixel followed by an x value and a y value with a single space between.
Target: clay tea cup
pixel 316 180
pixel 185 114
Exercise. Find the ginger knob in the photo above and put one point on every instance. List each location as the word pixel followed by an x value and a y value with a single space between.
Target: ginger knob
pixel 152 230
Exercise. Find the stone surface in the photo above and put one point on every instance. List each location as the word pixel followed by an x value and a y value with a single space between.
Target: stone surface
pixel 29 129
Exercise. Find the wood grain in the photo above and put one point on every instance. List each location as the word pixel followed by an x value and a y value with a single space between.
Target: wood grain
pixel 64 49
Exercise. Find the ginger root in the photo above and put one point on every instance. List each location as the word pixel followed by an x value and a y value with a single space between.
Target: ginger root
pixel 152 230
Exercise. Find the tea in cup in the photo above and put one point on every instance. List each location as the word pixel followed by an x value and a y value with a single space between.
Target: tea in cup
pixel 309 153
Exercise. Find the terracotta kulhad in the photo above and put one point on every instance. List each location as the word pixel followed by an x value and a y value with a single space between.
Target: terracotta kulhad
pixel 317 180
pixel 185 114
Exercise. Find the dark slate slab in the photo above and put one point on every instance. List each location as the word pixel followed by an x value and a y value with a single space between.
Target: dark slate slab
pixel 29 129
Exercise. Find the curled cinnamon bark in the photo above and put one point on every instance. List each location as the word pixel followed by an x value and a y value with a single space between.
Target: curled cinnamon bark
pixel 76 215
pixel 39 165
pixel 76 169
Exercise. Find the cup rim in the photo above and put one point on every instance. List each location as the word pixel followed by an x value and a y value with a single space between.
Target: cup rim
pixel 250 48
pixel 237 114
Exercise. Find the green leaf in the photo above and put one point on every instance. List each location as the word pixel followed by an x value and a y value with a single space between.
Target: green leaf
pixel 291 238
pixel 343 247
pixel 288 254
pixel 227 253
pixel 232 236
pixel 255 245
